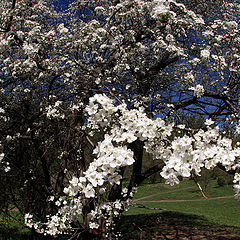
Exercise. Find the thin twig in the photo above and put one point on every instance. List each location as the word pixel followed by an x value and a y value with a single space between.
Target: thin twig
pixel 110 91
pixel 89 140
pixel 200 188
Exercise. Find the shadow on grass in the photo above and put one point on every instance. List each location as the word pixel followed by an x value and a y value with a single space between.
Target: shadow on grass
pixel 164 225
pixel 11 233
pixel 173 225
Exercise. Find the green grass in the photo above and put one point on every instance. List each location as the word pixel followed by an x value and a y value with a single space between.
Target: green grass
pixel 195 217
pixel 12 227
pixel 203 214
pixel 159 188
pixel 185 190
pixel 220 211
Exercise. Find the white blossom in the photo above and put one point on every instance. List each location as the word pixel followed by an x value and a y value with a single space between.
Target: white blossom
pixel 198 90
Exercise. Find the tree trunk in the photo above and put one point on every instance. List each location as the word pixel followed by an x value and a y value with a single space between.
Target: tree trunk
pixel 136 177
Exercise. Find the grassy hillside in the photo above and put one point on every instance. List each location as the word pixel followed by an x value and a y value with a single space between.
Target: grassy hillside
pixel 220 207
pixel 164 212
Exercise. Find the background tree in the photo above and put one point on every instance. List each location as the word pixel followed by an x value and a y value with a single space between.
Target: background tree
pixel 159 55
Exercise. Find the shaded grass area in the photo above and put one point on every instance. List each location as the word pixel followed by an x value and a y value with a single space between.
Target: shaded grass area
pixel 15 233
pixel 12 227
pixel 195 217
pixel 221 211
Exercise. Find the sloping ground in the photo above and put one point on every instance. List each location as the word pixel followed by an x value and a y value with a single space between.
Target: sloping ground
pixel 157 194
pixel 180 200
pixel 175 226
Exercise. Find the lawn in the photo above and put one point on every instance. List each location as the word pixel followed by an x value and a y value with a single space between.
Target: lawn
pixel 184 211
pixel 186 215
pixel 224 211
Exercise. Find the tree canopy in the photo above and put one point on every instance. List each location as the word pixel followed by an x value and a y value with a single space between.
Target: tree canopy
pixel 88 86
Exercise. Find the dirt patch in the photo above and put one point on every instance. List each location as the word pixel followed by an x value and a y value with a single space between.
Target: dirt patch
pixel 180 232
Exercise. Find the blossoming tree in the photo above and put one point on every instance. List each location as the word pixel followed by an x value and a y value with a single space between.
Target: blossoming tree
pixel 86 90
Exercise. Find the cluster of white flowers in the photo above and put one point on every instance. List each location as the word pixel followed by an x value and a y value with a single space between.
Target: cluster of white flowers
pixel 187 155
pixel 119 38
pixel 62 29
pixel 2 115
pixel 3 164
pixel 55 225
pixel 54 111
pixel 236 186
pixel 162 8
pixel 126 125
pixel 198 90
pixel 182 156
pixel 108 211
pixel 205 54
pixel 189 77
pixel 111 154
pixel 238 127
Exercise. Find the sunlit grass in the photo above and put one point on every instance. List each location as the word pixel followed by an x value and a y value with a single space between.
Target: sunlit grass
pixel 225 211
pixel 196 211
